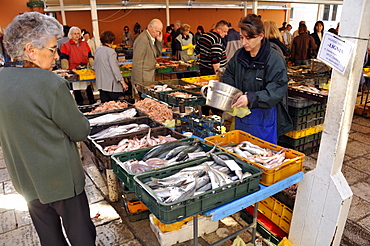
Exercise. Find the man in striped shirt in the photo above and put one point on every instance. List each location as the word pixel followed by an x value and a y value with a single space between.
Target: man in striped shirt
pixel 210 49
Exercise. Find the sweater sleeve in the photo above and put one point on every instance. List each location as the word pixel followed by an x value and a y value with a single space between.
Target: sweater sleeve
pixel 67 116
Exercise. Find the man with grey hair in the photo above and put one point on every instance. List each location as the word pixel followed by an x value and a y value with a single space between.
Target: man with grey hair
pixel 147 47
pixel 39 131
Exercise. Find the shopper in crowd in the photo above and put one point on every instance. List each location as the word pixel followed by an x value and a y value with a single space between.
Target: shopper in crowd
pixel 87 38
pixel 332 30
pixel 65 38
pixel 127 37
pixel 283 27
pixel 301 46
pixel 175 32
pixel 211 50
pixel 184 44
pixel 109 79
pixel 273 35
pixel 318 33
pixel 147 47
pixel 233 42
pixel 296 32
pixel 38 133
pixel 259 71
pixel 287 37
pixel 198 34
pixel 167 38
pixel 76 53
pixel 137 30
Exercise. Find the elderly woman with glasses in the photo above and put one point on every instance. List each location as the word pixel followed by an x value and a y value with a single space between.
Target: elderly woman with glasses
pixel 75 53
pixel 39 127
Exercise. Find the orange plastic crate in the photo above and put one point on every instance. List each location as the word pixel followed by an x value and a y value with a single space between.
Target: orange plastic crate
pixel 136 206
pixel 269 175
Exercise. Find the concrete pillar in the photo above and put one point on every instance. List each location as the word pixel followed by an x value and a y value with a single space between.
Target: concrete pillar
pixel 64 21
pixel 95 23
pixel 324 196
pixel 168 21
pixel 254 7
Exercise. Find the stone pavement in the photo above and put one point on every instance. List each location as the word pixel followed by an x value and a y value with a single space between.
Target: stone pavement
pixel 114 228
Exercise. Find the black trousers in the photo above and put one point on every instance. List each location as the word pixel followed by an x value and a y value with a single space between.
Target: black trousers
pixel 74 213
pixel 79 98
pixel 106 96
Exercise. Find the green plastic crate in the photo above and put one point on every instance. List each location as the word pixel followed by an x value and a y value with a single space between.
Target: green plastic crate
pixel 164 70
pixel 308 117
pixel 126 176
pixel 306 110
pixel 294 142
pixel 198 100
pixel 172 212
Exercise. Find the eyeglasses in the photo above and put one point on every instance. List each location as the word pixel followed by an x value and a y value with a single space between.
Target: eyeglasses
pixel 54 49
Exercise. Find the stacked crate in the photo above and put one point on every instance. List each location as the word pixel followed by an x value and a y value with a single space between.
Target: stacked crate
pixel 135 209
pixel 308 119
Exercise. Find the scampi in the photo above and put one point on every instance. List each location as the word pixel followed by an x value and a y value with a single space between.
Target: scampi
pixel 126 145
pixel 254 153
pixel 194 181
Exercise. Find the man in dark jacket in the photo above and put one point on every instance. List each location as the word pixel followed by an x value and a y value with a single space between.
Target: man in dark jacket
pixel 232 42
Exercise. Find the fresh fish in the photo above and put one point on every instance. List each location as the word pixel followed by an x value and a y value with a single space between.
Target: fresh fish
pixel 184 154
pixel 204 188
pixel 218 160
pixel 202 181
pixel 243 154
pixel 224 157
pixel 119 130
pixel 174 152
pixel 246 174
pixel 113 117
pixel 239 173
pixel 162 148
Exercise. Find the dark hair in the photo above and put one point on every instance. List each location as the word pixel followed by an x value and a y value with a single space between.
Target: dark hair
pixel 222 23
pixel 66 30
pixel 332 30
pixel 302 29
pixel 252 25
pixel 126 27
pixel 288 25
pixel 168 28
pixel 201 29
pixel 86 32
pixel 317 23
pixel 107 37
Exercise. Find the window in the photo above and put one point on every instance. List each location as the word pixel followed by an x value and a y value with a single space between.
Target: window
pixel 334 14
pixel 326 12
pixel 291 13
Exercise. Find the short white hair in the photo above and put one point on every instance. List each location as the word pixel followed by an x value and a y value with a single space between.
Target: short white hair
pixel 73 30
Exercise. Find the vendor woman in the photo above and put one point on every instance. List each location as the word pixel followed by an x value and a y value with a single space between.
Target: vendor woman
pixel 259 71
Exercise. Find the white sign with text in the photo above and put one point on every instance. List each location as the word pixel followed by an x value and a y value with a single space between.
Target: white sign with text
pixel 335 51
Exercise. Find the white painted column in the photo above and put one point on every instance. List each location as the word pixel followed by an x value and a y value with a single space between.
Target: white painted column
pixel 324 196
pixel 168 21
pixel 254 7
pixel 95 23
pixel 245 8
pixel 64 21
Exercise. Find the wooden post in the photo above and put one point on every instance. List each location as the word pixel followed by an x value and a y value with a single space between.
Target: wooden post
pixel 324 196
pixel 95 23
pixel 112 185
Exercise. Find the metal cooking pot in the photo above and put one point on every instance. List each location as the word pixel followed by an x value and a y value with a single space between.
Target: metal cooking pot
pixel 219 95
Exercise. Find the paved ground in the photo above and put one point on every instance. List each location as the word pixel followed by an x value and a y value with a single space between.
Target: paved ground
pixel 114 228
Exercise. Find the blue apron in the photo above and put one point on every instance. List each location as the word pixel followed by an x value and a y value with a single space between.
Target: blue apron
pixel 261 123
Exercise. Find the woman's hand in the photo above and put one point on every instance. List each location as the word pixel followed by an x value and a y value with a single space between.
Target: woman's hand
pixel 241 101
pixel 124 85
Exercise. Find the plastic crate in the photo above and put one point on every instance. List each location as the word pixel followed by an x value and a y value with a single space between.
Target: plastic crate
pixel 100 144
pixel 86 109
pixel 205 226
pixel 210 77
pixel 180 68
pixel 193 68
pixel 308 117
pixel 307 124
pixel 305 132
pixel 137 120
pixel 176 211
pixel 144 87
pixel 285 199
pixel 197 100
pixel 126 176
pixel 363 110
pixel 129 195
pixel 180 84
pixel 171 227
pixel 306 110
pixel 265 227
pixel 307 148
pixel 300 102
pixel 295 142
pixel 269 175
pixel 135 206
pixel 133 217
pixel 94 115
pixel 277 212
pixel 164 70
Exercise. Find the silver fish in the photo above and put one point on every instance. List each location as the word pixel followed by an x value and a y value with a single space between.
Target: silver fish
pixel 113 117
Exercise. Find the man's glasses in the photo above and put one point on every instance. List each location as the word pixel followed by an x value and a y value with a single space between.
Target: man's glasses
pixel 54 49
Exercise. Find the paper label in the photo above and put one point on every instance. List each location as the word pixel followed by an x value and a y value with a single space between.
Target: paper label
pixel 196 154
pixel 233 165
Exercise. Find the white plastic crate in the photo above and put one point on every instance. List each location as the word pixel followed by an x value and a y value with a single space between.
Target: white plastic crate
pixel 205 226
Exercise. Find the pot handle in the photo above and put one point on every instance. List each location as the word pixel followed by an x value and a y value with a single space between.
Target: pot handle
pixel 202 90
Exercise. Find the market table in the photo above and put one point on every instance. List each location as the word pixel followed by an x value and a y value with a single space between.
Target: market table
pixel 243 202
